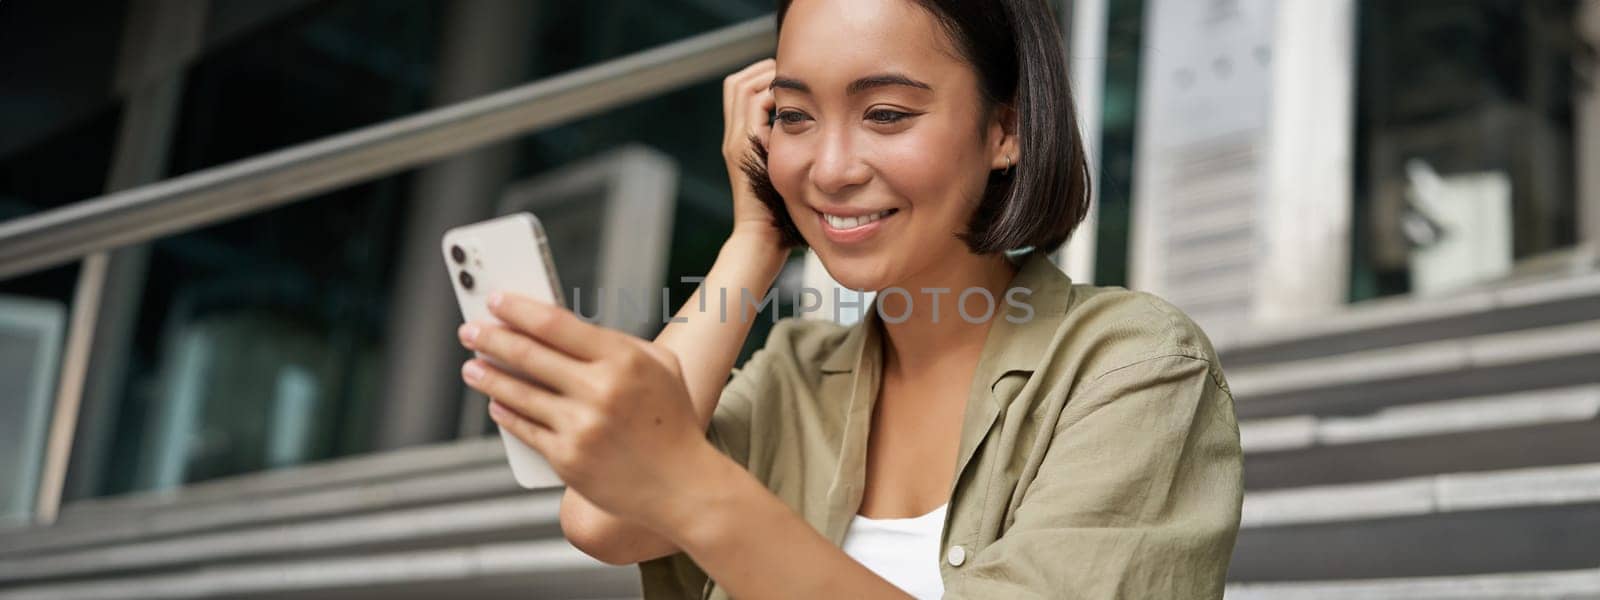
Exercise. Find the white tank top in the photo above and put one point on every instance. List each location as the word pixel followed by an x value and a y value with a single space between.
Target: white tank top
pixel 903 551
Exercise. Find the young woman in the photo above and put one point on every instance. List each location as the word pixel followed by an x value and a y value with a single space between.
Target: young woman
pixel 988 430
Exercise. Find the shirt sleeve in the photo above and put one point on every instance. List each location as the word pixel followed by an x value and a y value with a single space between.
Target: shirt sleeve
pixel 1138 495
pixel 676 576
pixel 731 422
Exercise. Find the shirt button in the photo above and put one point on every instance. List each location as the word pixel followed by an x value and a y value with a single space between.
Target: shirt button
pixel 956 556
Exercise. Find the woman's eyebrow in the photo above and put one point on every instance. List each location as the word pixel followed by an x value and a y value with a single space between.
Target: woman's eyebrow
pixel 855 87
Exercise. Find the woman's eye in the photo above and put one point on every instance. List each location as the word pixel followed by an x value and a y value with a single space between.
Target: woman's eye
pixel 790 116
pixel 879 116
pixel 885 116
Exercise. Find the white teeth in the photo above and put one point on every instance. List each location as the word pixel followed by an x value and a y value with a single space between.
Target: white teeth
pixel 838 222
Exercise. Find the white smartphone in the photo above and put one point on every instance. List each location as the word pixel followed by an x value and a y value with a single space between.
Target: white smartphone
pixel 509 254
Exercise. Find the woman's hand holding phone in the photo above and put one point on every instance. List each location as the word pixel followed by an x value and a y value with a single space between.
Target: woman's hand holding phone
pixel 610 411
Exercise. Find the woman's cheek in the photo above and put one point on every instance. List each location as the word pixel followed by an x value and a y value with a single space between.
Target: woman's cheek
pixel 916 169
pixel 788 179
pixel 782 167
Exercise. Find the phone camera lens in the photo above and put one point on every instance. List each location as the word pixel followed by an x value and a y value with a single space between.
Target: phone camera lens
pixel 457 254
pixel 466 280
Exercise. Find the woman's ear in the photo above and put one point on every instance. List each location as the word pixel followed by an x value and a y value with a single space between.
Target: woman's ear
pixel 1002 129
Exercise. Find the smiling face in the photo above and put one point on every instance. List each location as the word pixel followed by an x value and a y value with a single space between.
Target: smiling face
pixel 880 150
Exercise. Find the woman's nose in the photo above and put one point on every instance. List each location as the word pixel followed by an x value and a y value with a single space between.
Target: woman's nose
pixel 838 166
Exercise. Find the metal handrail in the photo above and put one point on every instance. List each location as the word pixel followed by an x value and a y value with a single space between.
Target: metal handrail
pixel 298 172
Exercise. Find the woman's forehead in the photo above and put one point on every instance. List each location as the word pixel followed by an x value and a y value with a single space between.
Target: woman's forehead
pixel 835 42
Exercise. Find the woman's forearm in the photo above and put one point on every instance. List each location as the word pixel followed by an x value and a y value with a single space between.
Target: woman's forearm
pixel 715 320
pixel 754 545
pixel 706 338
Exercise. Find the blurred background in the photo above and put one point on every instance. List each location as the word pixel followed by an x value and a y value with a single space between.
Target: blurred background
pixel 227 356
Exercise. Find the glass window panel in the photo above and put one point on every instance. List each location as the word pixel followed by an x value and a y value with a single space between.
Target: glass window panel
pixel 32 332
pixel 56 65
pixel 1464 140
pixel 1120 118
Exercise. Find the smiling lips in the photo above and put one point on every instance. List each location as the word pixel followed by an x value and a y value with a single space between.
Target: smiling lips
pixel 844 230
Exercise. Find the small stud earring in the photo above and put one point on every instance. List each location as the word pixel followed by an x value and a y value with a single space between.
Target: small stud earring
pixel 1008 166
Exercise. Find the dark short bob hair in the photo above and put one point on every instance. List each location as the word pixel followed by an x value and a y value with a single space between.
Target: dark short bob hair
pixel 1016 49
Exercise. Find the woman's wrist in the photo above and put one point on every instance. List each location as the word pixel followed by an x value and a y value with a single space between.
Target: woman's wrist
pixel 710 501
pixel 749 260
pixel 757 246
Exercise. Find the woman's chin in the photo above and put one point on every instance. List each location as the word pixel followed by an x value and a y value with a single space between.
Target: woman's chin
pixel 858 273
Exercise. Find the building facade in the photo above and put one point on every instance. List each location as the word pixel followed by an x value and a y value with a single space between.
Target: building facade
pixel 229 364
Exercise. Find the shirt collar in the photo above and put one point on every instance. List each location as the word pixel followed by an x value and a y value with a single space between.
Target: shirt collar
pixel 1009 347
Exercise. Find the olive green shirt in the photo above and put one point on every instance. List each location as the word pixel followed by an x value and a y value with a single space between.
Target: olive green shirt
pixel 1099 453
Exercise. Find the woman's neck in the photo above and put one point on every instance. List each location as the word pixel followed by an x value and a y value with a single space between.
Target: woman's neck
pixel 932 330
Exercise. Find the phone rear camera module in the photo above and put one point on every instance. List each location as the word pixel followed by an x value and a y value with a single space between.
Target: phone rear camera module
pixel 457 254
pixel 466 280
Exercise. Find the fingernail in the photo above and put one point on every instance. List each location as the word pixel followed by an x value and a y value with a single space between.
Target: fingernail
pixel 472 371
pixel 495 299
pixel 469 332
